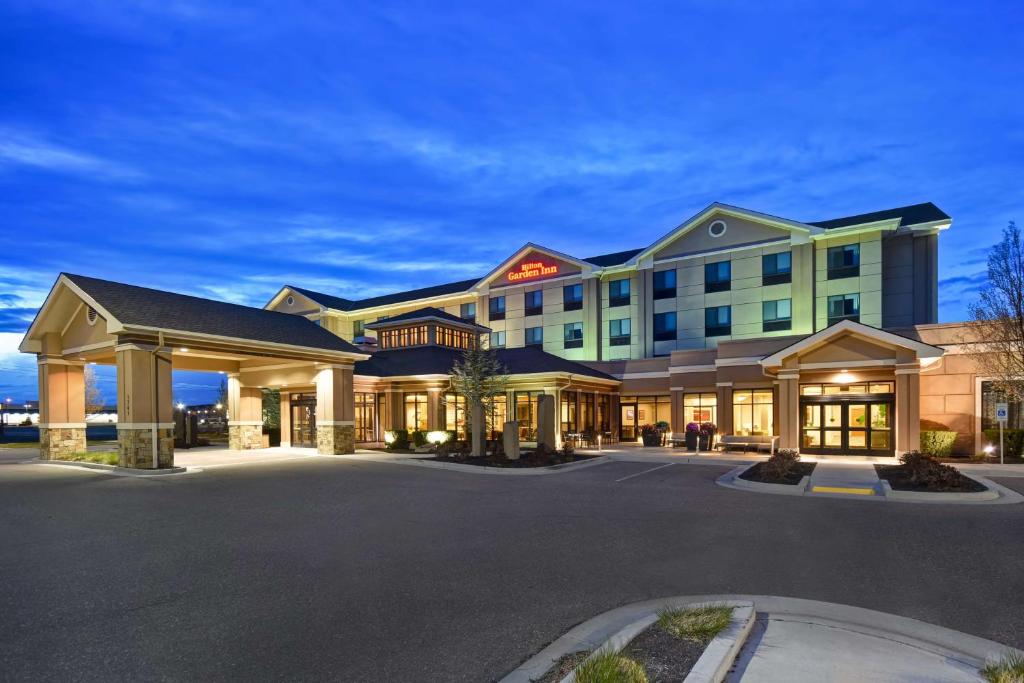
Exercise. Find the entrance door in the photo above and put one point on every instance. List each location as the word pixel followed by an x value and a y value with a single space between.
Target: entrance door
pixel 627 422
pixel 304 420
pixel 850 427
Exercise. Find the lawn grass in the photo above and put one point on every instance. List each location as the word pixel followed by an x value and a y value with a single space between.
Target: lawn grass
pixel 610 667
pixel 699 624
pixel 100 457
pixel 1009 669
pixel 20 444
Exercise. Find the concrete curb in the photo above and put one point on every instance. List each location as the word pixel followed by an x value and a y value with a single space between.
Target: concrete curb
pixel 718 656
pixel 114 469
pixel 591 634
pixel 995 495
pixel 732 480
pixel 478 469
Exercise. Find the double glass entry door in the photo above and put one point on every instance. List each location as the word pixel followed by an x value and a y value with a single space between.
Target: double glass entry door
pixel 304 420
pixel 847 427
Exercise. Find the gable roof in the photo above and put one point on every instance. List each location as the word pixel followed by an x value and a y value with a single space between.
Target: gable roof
pixel 526 249
pixel 820 338
pixel 914 214
pixel 132 306
pixel 438 360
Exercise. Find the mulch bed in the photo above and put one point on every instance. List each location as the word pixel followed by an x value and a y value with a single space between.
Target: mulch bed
pixel 898 477
pixel 757 473
pixel 665 658
pixel 525 461
pixel 564 666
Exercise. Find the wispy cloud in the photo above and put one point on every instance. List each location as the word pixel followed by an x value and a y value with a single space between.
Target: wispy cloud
pixel 21 149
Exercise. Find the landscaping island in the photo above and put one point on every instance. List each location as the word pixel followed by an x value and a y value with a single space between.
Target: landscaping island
pixel 784 467
pixel 924 473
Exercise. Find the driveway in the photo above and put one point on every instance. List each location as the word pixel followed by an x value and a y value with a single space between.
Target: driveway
pixel 333 568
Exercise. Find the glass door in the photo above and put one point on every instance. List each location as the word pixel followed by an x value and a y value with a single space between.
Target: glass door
pixel 627 423
pixel 304 420
pixel 855 427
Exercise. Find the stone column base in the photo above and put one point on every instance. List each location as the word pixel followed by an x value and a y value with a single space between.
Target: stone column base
pixel 245 437
pixel 135 448
pixel 58 443
pixel 335 439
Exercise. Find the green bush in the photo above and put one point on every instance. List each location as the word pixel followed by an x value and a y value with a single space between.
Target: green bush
pixel 1013 440
pixel 609 667
pixel 419 439
pixel 781 464
pixel 938 444
pixel 401 440
pixel 927 471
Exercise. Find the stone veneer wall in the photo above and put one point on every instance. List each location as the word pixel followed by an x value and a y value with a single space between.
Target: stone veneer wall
pixel 335 439
pixel 245 437
pixel 57 443
pixel 135 448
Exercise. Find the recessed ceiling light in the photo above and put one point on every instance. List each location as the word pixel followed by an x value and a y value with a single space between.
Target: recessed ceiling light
pixel 183 349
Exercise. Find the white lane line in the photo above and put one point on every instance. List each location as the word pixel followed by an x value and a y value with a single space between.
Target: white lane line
pixel 659 467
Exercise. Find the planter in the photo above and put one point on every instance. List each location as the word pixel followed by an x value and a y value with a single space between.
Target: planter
pixel 705 442
pixel 651 439
pixel 691 441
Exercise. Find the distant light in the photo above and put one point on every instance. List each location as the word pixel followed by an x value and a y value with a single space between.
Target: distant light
pixel 181 406
pixel 990 449
pixel 219 406
pixel 389 437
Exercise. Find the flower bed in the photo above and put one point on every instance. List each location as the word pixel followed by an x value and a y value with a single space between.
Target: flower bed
pixel 923 473
pixel 782 468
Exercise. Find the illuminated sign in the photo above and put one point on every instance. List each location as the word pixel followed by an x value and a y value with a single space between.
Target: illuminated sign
pixel 531 270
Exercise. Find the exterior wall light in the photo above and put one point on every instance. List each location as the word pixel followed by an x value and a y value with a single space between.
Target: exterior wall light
pixel 437 438
pixel 389 437
pixel 989 449
pixel 844 377
pixel 183 350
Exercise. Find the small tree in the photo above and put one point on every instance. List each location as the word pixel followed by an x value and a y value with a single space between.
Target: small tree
pixel 93 395
pixel 222 392
pixel 999 316
pixel 479 376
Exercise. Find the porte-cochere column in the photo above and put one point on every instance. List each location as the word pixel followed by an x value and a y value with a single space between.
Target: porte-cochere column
pixel 245 415
pixel 61 407
pixel 335 410
pixel 145 418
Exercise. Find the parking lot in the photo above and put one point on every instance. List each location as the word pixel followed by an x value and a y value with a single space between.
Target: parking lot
pixel 332 568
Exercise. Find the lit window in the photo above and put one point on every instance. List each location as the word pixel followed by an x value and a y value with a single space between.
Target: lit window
pixel 700 408
pixel 534 336
pixel 777 315
pixel 416 412
pixel 498 339
pixel 752 412
pixel 468 312
pixel 843 261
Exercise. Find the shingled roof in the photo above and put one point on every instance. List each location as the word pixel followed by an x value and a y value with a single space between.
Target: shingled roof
pixel 423 314
pixel 438 360
pixel 341 304
pixel 134 306
pixel 914 214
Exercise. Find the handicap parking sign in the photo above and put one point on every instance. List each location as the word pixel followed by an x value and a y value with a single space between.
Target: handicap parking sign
pixel 1002 412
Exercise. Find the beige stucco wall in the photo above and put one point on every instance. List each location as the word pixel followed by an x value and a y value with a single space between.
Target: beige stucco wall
pixel 868 284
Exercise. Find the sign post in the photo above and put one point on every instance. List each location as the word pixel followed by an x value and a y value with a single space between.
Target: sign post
pixel 1002 413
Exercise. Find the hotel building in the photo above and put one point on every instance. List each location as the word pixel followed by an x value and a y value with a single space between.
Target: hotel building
pixel 823 333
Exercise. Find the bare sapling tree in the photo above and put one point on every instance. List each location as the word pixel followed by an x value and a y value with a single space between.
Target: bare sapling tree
pixel 998 317
pixel 479 376
pixel 93 395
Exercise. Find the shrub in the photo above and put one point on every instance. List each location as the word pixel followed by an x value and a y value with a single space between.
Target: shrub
pixel 1013 440
pixel 708 429
pixel 782 464
pixel 933 426
pixel 399 439
pixel 925 470
pixel 937 443
pixel 418 438
pixel 692 428
pixel 1009 669
pixel 610 667
pixel 699 624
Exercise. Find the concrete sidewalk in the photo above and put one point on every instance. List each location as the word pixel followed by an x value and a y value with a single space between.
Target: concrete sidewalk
pixel 845 479
pixel 785 648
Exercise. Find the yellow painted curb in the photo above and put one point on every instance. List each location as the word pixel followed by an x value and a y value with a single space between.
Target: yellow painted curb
pixel 843 489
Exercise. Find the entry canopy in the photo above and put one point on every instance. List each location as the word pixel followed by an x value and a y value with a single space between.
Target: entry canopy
pixel 84 317
pixel 852 344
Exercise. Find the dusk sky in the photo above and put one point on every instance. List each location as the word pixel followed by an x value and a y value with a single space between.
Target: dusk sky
pixel 364 148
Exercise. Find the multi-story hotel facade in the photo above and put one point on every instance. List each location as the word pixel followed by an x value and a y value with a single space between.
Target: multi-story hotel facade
pixel 823 333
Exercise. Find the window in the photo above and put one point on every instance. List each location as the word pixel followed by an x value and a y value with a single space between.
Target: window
pixel 618 292
pixel 777 315
pixel 665 284
pixel 618 332
pixel 717 276
pixel 776 269
pixel 365 427
pixel 359 328
pixel 843 307
pixel 416 412
pixel 497 415
pixel 718 321
pixel 526 414
pixel 752 412
pixel 468 312
pixel 403 336
pixel 990 396
pixel 498 339
pixel 861 388
pixel 568 412
pixel 533 302
pixel 496 308
pixel 700 408
pixel 455 414
pixel 534 336
pixel 572 297
pixel 573 335
pixel 664 326
pixel 843 261
pixel 457 339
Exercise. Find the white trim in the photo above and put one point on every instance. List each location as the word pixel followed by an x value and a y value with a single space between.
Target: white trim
pixel 832 365
pixel 719 221
pixel 89 347
pixel 681 369
pixel 278 366
pixel 61 425
pixel 847 231
pixel 249 342
pixel 29 345
pixel 145 425
pixel 245 423
pixel 485 281
pixel 738 360
pixel 923 350
pixel 907 371
pixel 141 347
pixel 641 375
pixel 677 388
pixel 335 423
pixel 71 319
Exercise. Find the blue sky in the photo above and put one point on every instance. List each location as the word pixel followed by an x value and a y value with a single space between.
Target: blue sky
pixel 362 148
